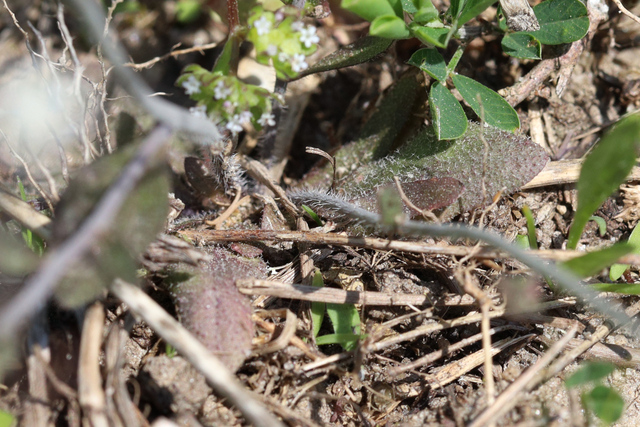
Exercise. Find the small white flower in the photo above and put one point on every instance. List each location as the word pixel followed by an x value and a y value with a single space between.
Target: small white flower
pixel 199 111
pixel 191 85
pixel 262 26
pixel 297 26
pixel 283 57
pixel 221 91
pixel 272 50
pixel 308 36
pixel 267 119
pixel 298 63
pixel 245 117
pixel 234 124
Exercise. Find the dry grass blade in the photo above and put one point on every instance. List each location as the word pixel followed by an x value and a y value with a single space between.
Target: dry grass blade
pixel 221 380
pixel 566 172
pixel 455 370
pixel 22 212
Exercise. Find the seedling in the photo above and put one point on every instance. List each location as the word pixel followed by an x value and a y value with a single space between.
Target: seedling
pixel 603 401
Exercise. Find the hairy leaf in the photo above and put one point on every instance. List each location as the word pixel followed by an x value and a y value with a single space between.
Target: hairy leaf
pixel 211 307
pixel 507 161
pixel 362 50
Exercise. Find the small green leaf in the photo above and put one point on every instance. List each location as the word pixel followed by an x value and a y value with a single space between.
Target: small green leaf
pixel 346 321
pixel 472 9
pixel 389 27
pixel 618 288
pixel 486 103
pixel 317 308
pixel 617 270
pixel 522 242
pixel 593 262
pixel 602 224
pixel 226 58
pixel 188 10
pixel 589 372
pixel 314 216
pixel 426 12
pixel 455 8
pixel 605 403
pixel 369 9
pixel 531 227
pixel 604 169
pixel 522 45
pixel 362 50
pixel 347 341
pixel 429 35
pixel 431 62
pixel 449 120
pixel 409 6
pixel 390 206
pixel 6 419
pixel 561 21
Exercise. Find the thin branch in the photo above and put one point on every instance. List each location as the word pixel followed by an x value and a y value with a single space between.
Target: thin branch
pixel 39 287
pixel 173 54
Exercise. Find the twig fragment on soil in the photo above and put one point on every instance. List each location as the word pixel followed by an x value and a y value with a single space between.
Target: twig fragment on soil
pixel 173 54
pixel 90 392
pixel 455 370
pixel 218 376
pixel 341 296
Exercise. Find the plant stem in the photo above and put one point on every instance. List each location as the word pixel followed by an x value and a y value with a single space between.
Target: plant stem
pixel 232 15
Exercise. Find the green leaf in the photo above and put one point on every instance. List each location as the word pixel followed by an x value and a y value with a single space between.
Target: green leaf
pixel 531 227
pixel 16 260
pixel 522 45
pixel 347 341
pixel 522 242
pixel 409 6
pixel 431 62
pixel 602 224
pixel 604 169
pixel 455 8
pixel 561 21
pixel 6 419
pixel 618 288
pixel 449 120
pixel 486 103
pixel 346 321
pixel 589 372
pixel 362 50
pixel 617 270
pixel 314 216
pixel 228 55
pixel 390 206
pixel 429 35
pixel 593 262
pixel 317 308
pixel 389 27
pixel 369 9
pixel 426 12
pixel 605 403
pixel 188 10
pixel 472 9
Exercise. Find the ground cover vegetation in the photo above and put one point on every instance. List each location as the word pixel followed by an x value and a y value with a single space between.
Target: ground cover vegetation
pixel 366 212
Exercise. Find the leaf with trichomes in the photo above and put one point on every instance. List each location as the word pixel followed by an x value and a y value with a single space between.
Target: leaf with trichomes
pixel 485 161
pixel 362 50
pixel 211 307
pixel 142 217
pixel 379 135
